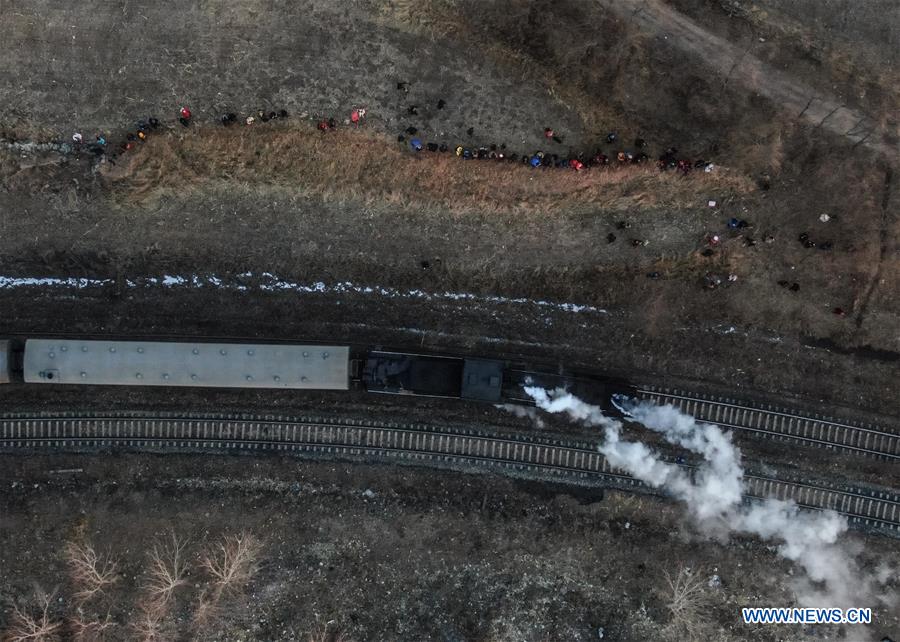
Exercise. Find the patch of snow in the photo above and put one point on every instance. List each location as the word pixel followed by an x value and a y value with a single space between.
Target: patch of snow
pixel 169 281
pixel 269 282
pixel 9 282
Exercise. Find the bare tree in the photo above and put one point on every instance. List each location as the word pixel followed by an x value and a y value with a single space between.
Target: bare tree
pixel 328 632
pixel 91 572
pixel 33 626
pixel 168 567
pixel 149 623
pixel 234 562
pixel 166 573
pixel 90 630
pixel 686 599
pixel 207 609
pixel 230 565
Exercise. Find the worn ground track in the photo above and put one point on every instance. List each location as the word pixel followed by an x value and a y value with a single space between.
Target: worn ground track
pixel 579 462
pixel 779 423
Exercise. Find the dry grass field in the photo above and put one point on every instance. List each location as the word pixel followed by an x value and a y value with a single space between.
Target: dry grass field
pixel 362 166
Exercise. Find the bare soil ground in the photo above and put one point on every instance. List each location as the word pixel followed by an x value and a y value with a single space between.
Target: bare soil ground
pixel 449 557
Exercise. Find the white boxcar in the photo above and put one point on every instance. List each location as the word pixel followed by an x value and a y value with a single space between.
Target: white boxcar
pixel 212 365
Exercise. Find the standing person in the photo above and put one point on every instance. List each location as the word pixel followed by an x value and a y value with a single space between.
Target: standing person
pixel 185 113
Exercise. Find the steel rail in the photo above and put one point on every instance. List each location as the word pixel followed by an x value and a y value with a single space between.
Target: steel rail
pixel 416 443
pixel 779 423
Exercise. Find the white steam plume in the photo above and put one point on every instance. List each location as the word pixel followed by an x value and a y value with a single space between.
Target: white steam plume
pixel 714 496
pixel 525 412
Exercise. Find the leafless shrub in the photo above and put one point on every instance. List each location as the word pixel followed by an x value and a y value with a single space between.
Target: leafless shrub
pixel 233 563
pixel 230 565
pixel 686 600
pixel 148 625
pixel 207 610
pixel 165 574
pixel 33 625
pixel 327 632
pixel 168 566
pixel 90 571
pixel 85 629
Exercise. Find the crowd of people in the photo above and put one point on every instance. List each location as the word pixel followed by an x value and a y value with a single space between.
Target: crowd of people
pixel 617 155
pixel 145 128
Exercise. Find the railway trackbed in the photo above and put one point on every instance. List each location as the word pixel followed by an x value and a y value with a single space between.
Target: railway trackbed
pixel 778 423
pixel 522 455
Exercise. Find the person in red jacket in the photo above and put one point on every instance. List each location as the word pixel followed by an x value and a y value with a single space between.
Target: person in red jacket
pixel 185 113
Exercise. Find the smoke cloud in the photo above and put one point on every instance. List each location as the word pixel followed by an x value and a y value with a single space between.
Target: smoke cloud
pixel 525 412
pixel 713 496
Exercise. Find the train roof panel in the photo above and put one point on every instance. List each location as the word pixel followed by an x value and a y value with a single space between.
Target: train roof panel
pixel 215 365
pixel 5 357
pixel 482 379
pixel 416 374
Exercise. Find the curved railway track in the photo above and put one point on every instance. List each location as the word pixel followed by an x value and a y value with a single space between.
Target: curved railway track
pixel 780 423
pixel 372 440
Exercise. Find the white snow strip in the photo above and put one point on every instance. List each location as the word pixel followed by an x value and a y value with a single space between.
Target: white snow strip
pixel 9 283
pixel 269 282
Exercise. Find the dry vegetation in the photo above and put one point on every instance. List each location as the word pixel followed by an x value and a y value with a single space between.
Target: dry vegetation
pixel 686 600
pixel 225 569
pixel 230 565
pixel 91 572
pixel 363 166
pixel 327 632
pixel 167 569
pixel 454 20
pixel 36 624
pixel 861 64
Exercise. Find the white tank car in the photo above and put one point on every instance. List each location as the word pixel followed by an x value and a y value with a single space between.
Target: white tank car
pixel 211 365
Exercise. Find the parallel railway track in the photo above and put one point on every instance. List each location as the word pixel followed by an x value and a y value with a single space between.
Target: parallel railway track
pixel 780 423
pixel 579 462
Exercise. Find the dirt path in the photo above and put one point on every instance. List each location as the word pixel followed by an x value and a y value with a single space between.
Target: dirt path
pixel 740 66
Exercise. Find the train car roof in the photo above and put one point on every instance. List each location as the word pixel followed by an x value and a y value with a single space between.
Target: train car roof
pixel 482 379
pixel 214 365
pixel 5 365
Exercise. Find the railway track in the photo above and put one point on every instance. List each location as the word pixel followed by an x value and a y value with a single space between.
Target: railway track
pixel 757 419
pixel 780 423
pixel 578 462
